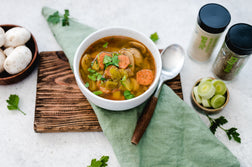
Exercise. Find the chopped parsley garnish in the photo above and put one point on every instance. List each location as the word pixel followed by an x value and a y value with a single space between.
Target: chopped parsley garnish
pixel 65 20
pixel 99 163
pixel 94 76
pixel 107 61
pixel 154 37
pixel 127 94
pixel 87 85
pixel 91 70
pixel 105 45
pixel 97 92
pixel 55 18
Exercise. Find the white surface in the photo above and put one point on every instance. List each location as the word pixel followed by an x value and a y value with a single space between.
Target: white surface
pixel 173 20
pixel 111 104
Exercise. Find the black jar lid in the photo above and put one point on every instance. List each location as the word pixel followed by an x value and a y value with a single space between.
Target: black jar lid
pixel 213 18
pixel 239 39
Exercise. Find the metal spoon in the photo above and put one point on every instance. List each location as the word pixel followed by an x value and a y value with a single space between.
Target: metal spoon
pixel 172 63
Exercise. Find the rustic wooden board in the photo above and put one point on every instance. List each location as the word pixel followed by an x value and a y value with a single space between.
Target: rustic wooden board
pixel 60 105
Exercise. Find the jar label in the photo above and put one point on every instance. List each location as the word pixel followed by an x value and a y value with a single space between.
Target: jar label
pixel 230 63
pixel 207 44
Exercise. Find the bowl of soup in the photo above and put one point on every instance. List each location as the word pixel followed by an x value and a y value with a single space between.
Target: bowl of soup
pixel 117 68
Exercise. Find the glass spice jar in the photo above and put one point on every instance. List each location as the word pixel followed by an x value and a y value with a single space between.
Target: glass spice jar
pixel 211 22
pixel 234 53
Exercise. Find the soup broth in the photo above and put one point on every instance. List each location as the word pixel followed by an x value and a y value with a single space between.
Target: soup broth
pixel 117 68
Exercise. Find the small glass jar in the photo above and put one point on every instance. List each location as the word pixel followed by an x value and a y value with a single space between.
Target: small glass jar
pixel 211 22
pixel 234 53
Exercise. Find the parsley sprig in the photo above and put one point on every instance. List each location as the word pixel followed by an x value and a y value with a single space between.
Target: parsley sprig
pixel 13 103
pixel 105 45
pixel 99 163
pixel 154 37
pixel 94 76
pixel 231 133
pixel 127 94
pixel 107 61
pixel 55 18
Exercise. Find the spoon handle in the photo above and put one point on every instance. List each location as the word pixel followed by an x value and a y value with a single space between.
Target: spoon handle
pixel 144 120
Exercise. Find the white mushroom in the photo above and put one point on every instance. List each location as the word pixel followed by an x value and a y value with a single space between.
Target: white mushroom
pixel 18 60
pixel 2 37
pixel 137 56
pixel 8 51
pixel 138 45
pixel 16 36
pixel 2 59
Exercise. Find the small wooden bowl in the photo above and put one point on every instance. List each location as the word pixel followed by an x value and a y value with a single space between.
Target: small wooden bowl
pixel 205 109
pixel 6 78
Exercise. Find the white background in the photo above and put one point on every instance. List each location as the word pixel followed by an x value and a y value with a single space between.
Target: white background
pixel 174 20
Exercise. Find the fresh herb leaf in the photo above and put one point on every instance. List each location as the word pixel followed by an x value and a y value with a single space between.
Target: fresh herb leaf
pixel 91 70
pixel 221 120
pixel 13 103
pixel 130 65
pixel 99 163
pixel 154 37
pixel 103 79
pixel 107 61
pixel 231 133
pixel 105 45
pixel 127 94
pixel 54 18
pixel 115 61
pixel 65 20
pixel 99 76
pixel 92 77
pixel 87 85
pixel 97 92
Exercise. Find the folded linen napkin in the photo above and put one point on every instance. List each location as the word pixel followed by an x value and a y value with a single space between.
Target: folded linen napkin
pixel 175 137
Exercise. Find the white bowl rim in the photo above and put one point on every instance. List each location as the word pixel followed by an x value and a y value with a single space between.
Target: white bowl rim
pixel 76 64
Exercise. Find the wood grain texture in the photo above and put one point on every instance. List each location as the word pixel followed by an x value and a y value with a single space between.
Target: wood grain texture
pixel 60 105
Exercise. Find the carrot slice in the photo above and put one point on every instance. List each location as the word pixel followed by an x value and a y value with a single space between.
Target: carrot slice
pixel 144 77
pixel 124 61
pixel 101 57
pixel 107 73
pixel 103 89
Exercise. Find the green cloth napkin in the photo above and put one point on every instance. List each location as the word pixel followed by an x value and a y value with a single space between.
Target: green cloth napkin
pixel 175 137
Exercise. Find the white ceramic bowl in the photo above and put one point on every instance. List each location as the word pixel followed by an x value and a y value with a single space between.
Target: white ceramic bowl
pixel 117 105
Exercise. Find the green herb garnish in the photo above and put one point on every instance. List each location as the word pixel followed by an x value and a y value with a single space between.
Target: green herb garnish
pixel 87 85
pixel 231 133
pixel 127 94
pixel 105 45
pixel 94 76
pixel 107 61
pixel 91 70
pixel 99 163
pixel 55 18
pixel 97 92
pixel 13 103
pixel 65 20
pixel 154 37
